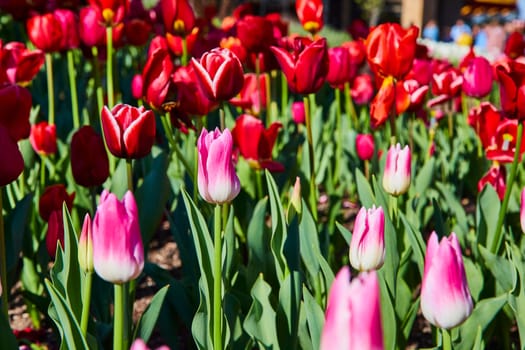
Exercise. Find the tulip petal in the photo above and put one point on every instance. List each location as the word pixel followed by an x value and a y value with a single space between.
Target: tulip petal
pixel 112 133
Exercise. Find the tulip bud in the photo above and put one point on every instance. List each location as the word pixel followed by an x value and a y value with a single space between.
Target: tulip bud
pixel 52 199
pixel 296 199
pixel 136 86
pixel 445 296
pixel 367 248
pixel 396 177
pixel 43 138
pixel 89 160
pixel 118 253
pixel 364 144
pixel 55 232
pixel 85 246
pixel 298 112
pixel 45 32
pixel 522 210
pixel 10 158
pixel 353 313
pixel 477 78
pixel 217 180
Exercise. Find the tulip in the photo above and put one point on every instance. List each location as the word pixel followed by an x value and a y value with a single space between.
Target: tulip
pixel 85 246
pixel 255 143
pixel 10 158
pixel 511 77
pixel 52 200
pixel 219 73
pixel 45 32
pixel 118 253
pixel 178 17
pixel 362 89
pixel 367 247
pixel 92 27
pixel 43 138
pixel 522 210
pixel 249 96
pixel 391 98
pixel 137 31
pixel 20 64
pixel 364 144
pixel 502 144
pixel 233 44
pixel 445 86
pixel 255 33
pixel 156 77
pixel 192 99
pixel 353 313
pixel 495 177
pixel 89 160
pixel 340 69
pixel 485 119
pixel 136 86
pixel 417 93
pixel 306 67
pixel 515 45
pixel 356 50
pixel 69 28
pixel 477 78
pixel 310 14
pixel 55 232
pixel 396 177
pixel 16 104
pixel 112 11
pixel 390 49
pixel 217 181
pixel 298 112
pixel 445 297
pixel 129 131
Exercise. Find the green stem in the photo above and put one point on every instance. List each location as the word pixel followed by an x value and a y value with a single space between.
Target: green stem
pixel 98 84
pixel 258 180
pixel 217 281
pixel 284 94
pixel 446 340
pixel 498 236
pixel 311 155
pixel 3 266
pixel 86 300
pixel 339 142
pixel 349 106
pixel 50 89
pixel 129 168
pixel 109 66
pixel 222 117
pixel 42 172
pixel 73 89
pixel 184 57
pixel 119 313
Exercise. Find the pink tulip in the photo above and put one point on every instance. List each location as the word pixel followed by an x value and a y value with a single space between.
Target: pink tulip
pixel 367 248
pixel 478 77
pixel 298 112
pixel 522 210
pixel 445 297
pixel 364 144
pixel 118 254
pixel 85 246
pixel 396 178
pixel 218 183
pixel 353 313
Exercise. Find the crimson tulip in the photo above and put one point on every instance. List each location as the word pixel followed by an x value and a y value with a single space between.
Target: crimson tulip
pixel 89 160
pixel 511 77
pixel 43 138
pixel 137 31
pixel 176 43
pixel 178 17
pixel 219 73
pixel 52 200
pixel 45 32
pixel 362 89
pixel 249 96
pixel 341 70
pixel 191 98
pixel 111 11
pixel 19 64
pixel 255 143
pixel 356 50
pixel 310 14
pixel 364 145
pixel 129 131
pixel 421 71
pixel 445 86
pixel 255 33
pixel 390 49
pixel 495 177
pixel 136 86
pixel 485 120
pixel 515 45
pixel 234 44
pixel 156 78
pixel 10 158
pixel 69 27
pixel 417 94
pixel 306 66
pixel 477 78
pixel 55 232
pixel 503 143
pixel 298 112
pixel 16 104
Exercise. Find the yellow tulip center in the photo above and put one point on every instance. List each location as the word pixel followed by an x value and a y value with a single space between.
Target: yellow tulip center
pixel 507 139
pixel 108 15
pixel 311 27
pixel 178 26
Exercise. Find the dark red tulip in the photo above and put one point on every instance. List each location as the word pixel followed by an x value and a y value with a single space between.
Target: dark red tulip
pixel 515 45
pixel 280 26
pixel 20 64
pixel 341 70
pixel 310 14
pixel 45 32
pixel 191 98
pixel 511 77
pixel 495 177
pixel 10 158
pixel 52 199
pixel 16 104
pixel 55 232
pixel 234 44
pixel 21 9
pixel 129 131
pixel 89 160
pixel 391 49
pixel 69 27
pixel 305 67
pixel 43 138
pixel 137 31
pixel 156 78
pixel 178 17
pixel 485 120
pixel 255 33
pixel 248 98
pixel 255 143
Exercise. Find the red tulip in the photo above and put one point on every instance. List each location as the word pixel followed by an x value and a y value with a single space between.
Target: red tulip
pixel 511 76
pixel 178 17
pixel 137 31
pixel 298 112
pixel 389 99
pixel 89 160
pixel 364 144
pixel 219 73
pixel 445 86
pixel 191 98
pixel 305 67
pixel 136 86
pixel 111 11
pixel 255 33
pixel 69 27
pixel 357 51
pixel 156 78
pixel 52 200
pixel 515 45
pixel 20 64
pixel 43 138
pixel 255 142
pixel 477 78
pixel 495 177
pixel 45 32
pixel 129 131
pixel 503 143
pixel 55 232
pixel 16 104
pixel 421 71
pixel 362 89
pixel 175 43
pixel 248 98
pixel 92 30
pixel 10 158
pixel 391 49
pixel 341 70
pixel 417 94
pixel 234 45
pixel 310 14
pixel 485 120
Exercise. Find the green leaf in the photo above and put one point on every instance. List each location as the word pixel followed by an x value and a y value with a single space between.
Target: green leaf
pixel 388 314
pixel 17 222
pixel 475 278
pixel 418 245
pixel 366 196
pixel 424 177
pixel 309 242
pixel 118 182
pixel 347 235
pixel 487 212
pixel 290 296
pixel 260 258
pixel 9 341
pixel 148 319
pixel 314 317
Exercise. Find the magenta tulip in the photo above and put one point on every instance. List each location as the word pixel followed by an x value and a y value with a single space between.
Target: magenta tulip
pixel 445 297
pixel 217 180
pixel 367 247
pixel 364 144
pixel 118 253
pixel 298 112
pixel 477 78
pixel 396 177
pixel 353 313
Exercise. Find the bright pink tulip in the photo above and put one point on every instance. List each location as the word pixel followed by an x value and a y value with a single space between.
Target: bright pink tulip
pixel 217 180
pixel 362 89
pixel 396 178
pixel 353 313
pixel 298 112
pixel 477 78
pixel 445 297
pixel 364 144
pixel 118 253
pixel 367 248
pixel 85 246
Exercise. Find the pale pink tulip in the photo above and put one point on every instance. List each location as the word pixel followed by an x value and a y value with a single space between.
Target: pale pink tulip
pixel 396 178
pixel 367 248
pixel 85 246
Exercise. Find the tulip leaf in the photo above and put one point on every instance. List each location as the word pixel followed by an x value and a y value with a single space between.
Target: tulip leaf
pixel 487 212
pixel 388 314
pixel 475 278
pixel 366 196
pixel 290 296
pixel 309 242
pixel 517 298
pixel 118 182
pixel 424 177
pixel 347 235
pixel 148 319
pixel 17 222
pixel 500 267
pixel 314 318
pixel 258 242
pixel 201 327
pixel 418 245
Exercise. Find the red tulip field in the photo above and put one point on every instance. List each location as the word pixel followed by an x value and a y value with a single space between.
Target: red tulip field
pixel 175 178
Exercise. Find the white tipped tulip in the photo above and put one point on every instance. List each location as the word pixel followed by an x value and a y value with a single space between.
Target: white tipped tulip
pixel 367 248
pixel 396 178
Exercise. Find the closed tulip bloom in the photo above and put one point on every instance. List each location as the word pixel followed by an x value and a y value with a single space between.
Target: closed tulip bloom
pixel 156 77
pixel 192 100
pixel 341 70
pixel 364 144
pixel 353 313
pixel 522 210
pixel 89 160
pixel 136 86
pixel 298 112
pixel 306 66
pixel 477 78
pixel 445 296
pixel 118 253
pixel 310 14
pixel 511 77
pixel 85 246
pixel 129 131
pixel 396 177
pixel 255 33
pixel 10 158
pixel 45 32
pixel 367 247
pixel 485 119
pixel 219 73
pixel 16 104
pixel 515 45
pixel 69 26
pixel 52 200
pixel 43 138
pixel 217 180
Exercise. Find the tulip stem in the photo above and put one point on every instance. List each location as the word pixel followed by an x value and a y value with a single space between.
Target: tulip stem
pixel 119 333
pixel 42 172
pixel 284 94
pixel 86 300
pixel 349 106
pixel 392 118
pixel 498 235
pixel 3 267
pixel 73 89
pixel 184 57
pixel 311 155
pixel 50 89
pixel 109 66
pixel 339 142
pixel 217 281
pixel 98 85
pixel 258 179
pixel 129 168
pixel 446 340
